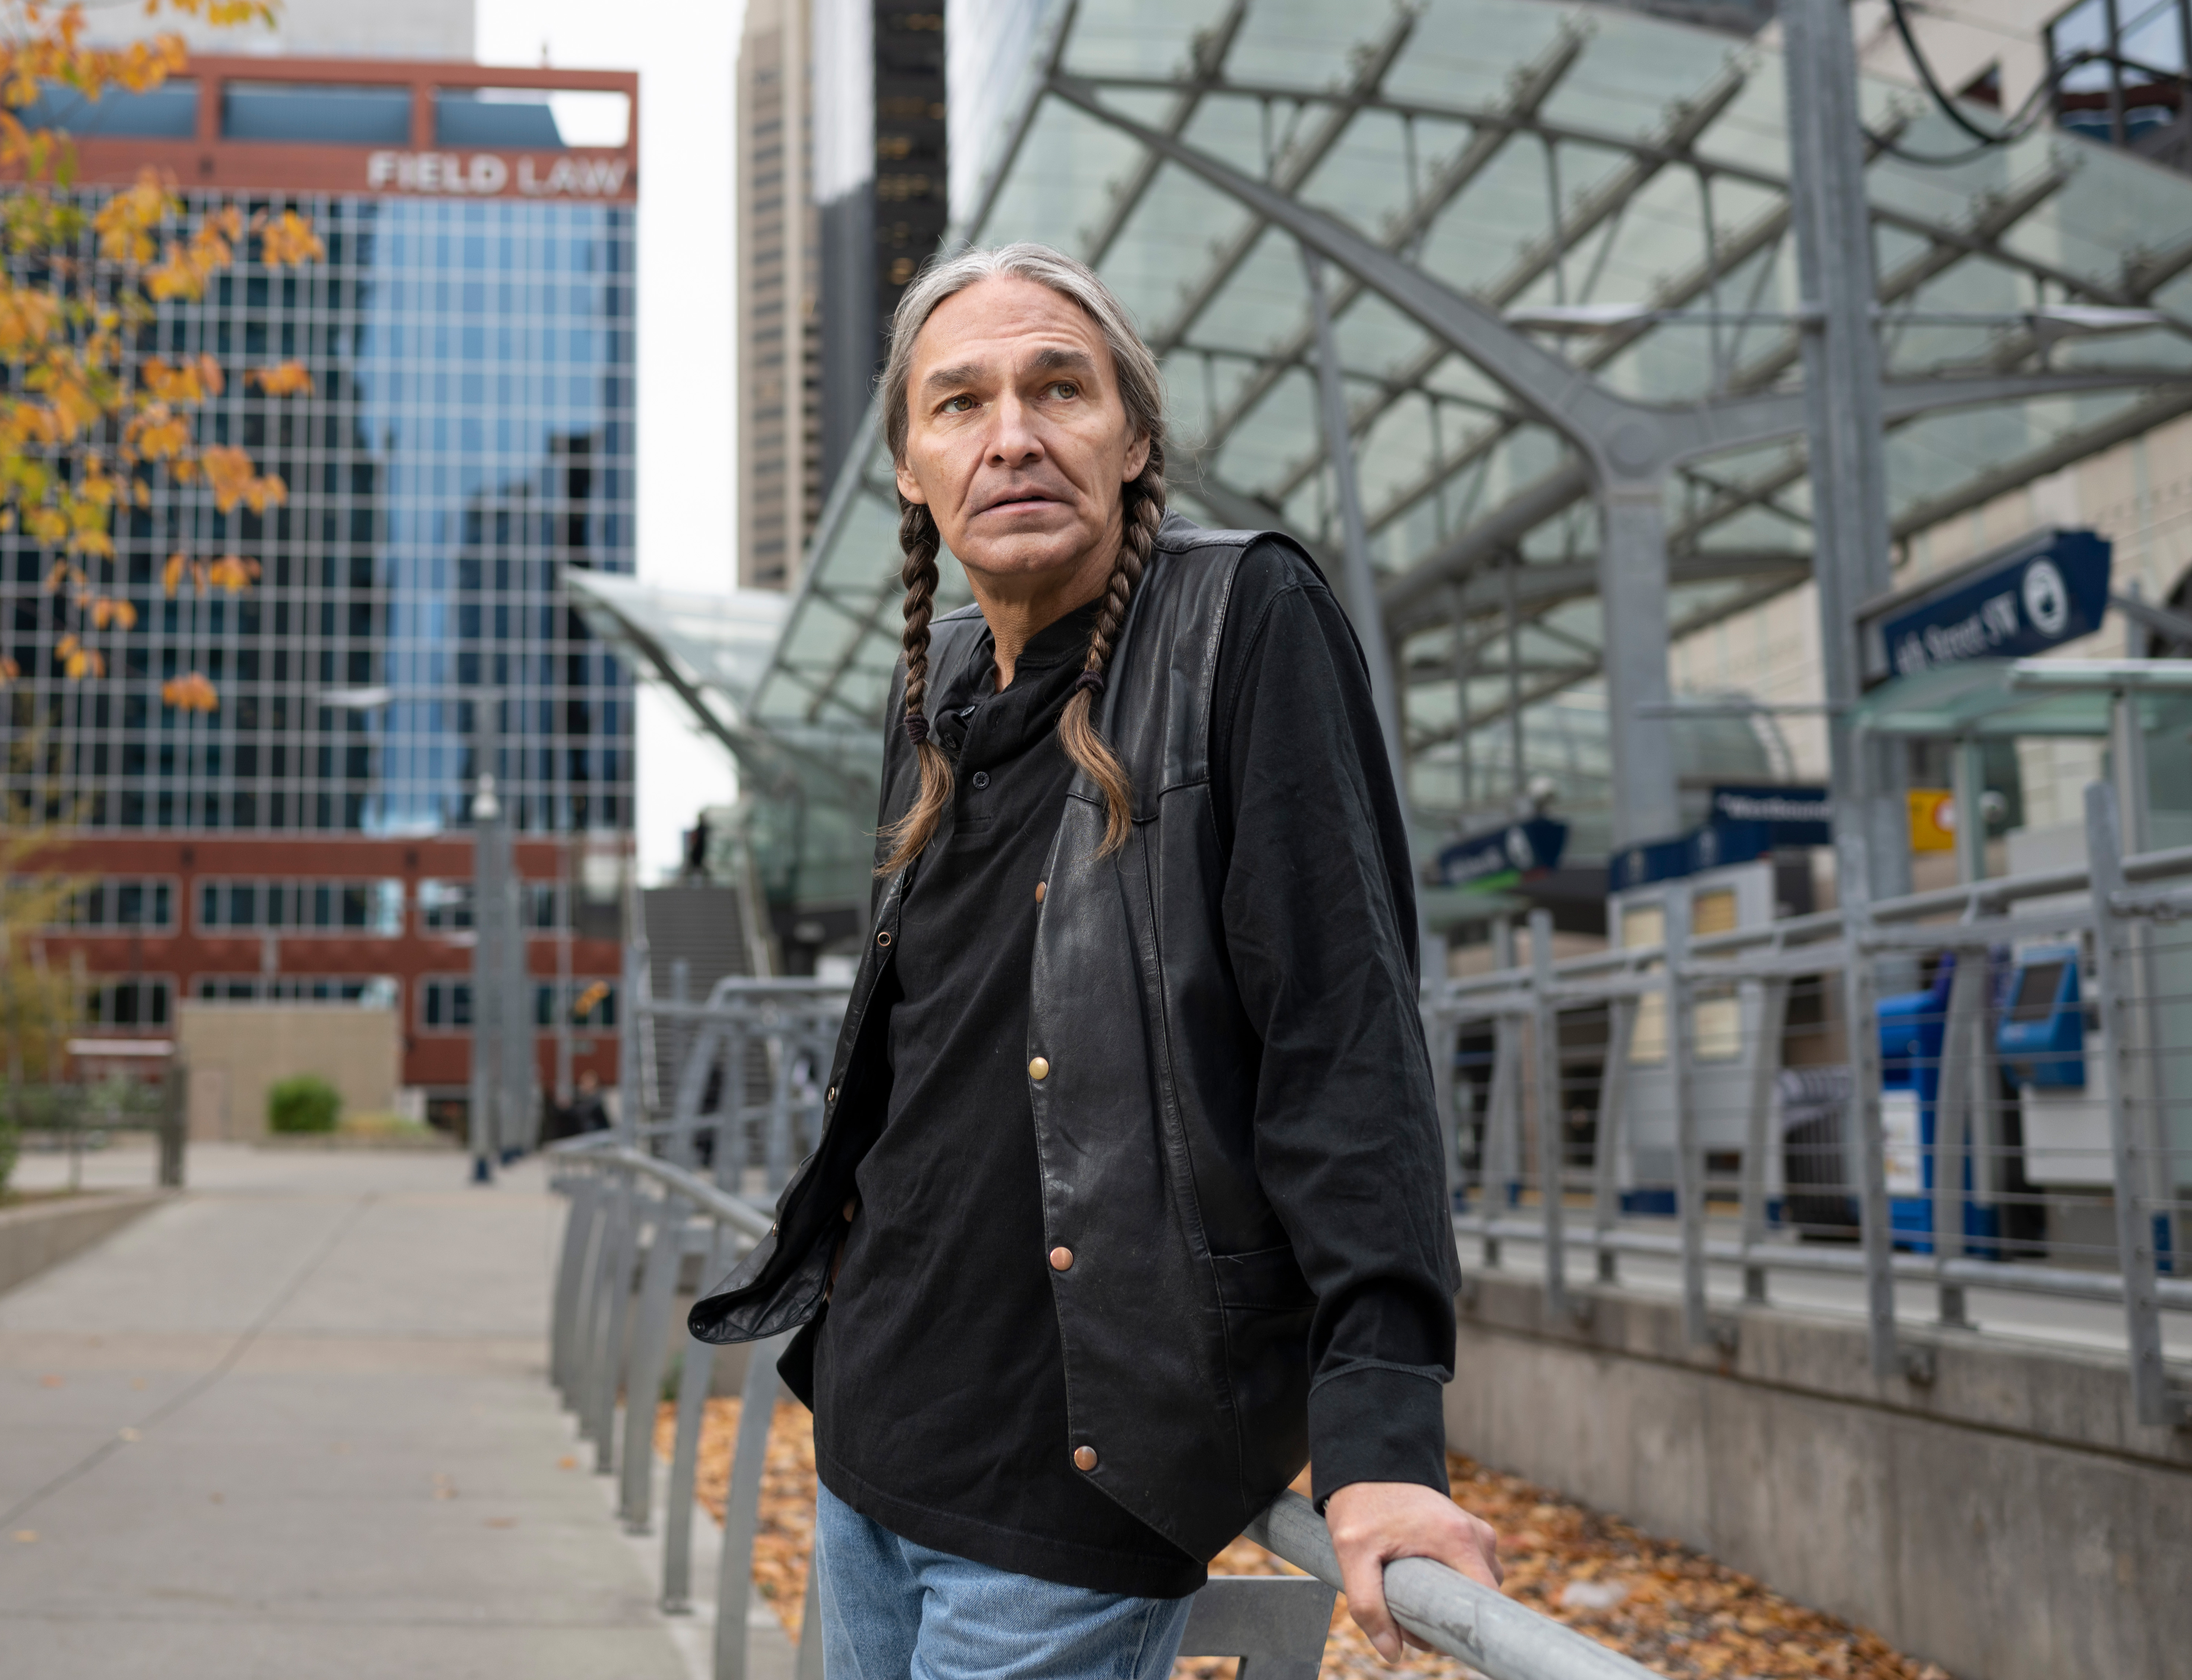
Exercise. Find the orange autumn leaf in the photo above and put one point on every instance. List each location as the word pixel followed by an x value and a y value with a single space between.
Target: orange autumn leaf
pixel 228 470
pixel 171 574
pixel 108 612
pixel 189 692
pixel 283 378
pixel 232 573
pixel 286 241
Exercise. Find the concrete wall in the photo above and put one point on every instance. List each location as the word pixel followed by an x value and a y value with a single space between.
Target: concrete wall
pixel 2010 1520
pixel 44 1233
pixel 235 1053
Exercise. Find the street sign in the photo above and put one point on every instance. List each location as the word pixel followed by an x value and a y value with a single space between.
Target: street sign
pixel 2035 593
pixel 1485 862
pixel 1792 815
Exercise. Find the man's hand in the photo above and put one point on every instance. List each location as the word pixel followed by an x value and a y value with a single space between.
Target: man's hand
pixel 1373 1523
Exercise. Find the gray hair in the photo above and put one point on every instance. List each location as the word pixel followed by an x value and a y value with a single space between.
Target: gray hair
pixel 1141 386
pixel 1141 390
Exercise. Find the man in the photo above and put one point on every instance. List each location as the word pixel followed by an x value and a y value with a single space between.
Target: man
pixel 1128 1198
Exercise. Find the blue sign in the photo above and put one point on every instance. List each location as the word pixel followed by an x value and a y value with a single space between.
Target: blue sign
pixel 2038 594
pixel 1502 856
pixel 1793 815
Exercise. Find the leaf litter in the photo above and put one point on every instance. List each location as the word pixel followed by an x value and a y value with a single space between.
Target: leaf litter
pixel 1675 1611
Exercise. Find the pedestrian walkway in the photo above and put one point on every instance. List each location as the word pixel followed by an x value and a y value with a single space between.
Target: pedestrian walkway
pixel 297 1424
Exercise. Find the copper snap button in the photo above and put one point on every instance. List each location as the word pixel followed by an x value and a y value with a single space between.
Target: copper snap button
pixel 1039 1069
pixel 1040 887
pixel 1084 1458
pixel 1061 1260
pixel 883 939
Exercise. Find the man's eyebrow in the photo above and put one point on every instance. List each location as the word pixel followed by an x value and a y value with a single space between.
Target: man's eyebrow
pixel 964 373
pixel 1050 360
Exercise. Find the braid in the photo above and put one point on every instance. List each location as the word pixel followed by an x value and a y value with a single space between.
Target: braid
pixel 917 536
pixel 1145 512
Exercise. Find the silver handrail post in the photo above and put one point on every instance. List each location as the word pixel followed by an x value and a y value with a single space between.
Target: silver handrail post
pixel 696 1377
pixel 1612 1118
pixel 1689 1160
pixel 616 1312
pixel 1952 1092
pixel 1545 1032
pixel 2135 1256
pixel 1502 1121
pixel 1758 1125
pixel 570 1267
pixel 742 1507
pixel 650 1346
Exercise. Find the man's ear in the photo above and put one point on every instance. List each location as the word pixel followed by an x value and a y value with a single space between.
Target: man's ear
pixel 909 486
pixel 1137 456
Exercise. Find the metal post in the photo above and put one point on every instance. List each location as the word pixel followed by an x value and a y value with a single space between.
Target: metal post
pixel 1361 590
pixel 1632 589
pixel 1689 1162
pixel 1862 1119
pixel 2135 1246
pixel 695 1376
pixel 681 1152
pixel 486 1095
pixel 615 1312
pixel 1612 1116
pixel 1967 781
pixel 1439 1035
pixel 1518 759
pixel 631 1039
pixel 175 1122
pixel 1459 654
pixel 562 1014
pixel 1951 1100
pixel 1758 1139
pixel 1545 1033
pixel 650 1347
pixel 562 1324
pixel 518 1064
pixel 779 1108
pixel 2134 788
pixel 1850 562
pixel 742 1507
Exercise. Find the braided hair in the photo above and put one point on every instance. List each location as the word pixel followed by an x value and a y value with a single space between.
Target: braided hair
pixel 1141 390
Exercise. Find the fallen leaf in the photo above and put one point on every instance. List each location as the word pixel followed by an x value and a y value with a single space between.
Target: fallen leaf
pixel 26 1536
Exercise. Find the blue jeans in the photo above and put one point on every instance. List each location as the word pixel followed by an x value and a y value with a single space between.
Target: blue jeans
pixel 892 1609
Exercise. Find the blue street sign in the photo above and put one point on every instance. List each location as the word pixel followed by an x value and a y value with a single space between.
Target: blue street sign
pixel 1792 815
pixel 2035 594
pixel 1499 859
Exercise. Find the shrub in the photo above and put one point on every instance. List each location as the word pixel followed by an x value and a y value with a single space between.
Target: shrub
pixel 307 1102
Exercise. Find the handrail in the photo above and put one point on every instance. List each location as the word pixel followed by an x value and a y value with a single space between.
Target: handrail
pixel 1505 1640
pixel 1447 1610
pixel 732 1211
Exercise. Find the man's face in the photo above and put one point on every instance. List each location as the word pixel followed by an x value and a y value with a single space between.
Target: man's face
pixel 1017 441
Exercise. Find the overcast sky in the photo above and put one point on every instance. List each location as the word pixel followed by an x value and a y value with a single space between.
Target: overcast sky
pixel 684 53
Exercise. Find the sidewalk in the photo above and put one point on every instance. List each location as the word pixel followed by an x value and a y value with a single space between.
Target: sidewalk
pixel 296 1424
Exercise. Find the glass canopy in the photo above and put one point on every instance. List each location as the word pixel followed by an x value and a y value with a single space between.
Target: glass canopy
pixel 1615 187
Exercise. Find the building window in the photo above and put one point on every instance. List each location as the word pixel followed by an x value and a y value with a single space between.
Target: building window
pixel 2119 71
pixel 374 991
pixel 371 906
pixel 128 1003
pixel 445 1005
pixel 121 905
pixel 446 906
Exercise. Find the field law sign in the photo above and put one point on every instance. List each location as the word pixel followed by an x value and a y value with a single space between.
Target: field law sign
pixel 491 174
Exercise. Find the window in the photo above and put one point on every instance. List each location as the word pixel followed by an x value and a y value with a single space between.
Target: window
pixel 374 991
pixel 446 906
pixel 445 1004
pixel 120 904
pixel 375 907
pixel 128 1003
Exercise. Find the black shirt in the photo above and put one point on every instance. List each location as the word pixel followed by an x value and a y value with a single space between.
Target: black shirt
pixel 939 1391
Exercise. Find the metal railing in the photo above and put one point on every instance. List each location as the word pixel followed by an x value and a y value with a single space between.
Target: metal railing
pixel 1692 1082
pixel 640 1210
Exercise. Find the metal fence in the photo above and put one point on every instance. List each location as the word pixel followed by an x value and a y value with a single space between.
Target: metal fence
pixel 669 1190
pixel 1986 1087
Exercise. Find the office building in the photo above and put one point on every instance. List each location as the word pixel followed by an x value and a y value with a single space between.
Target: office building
pixel 469 434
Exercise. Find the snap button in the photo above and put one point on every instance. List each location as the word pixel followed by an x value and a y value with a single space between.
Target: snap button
pixel 1084 1458
pixel 981 778
pixel 1061 1260
pixel 831 1095
pixel 883 939
pixel 1040 887
pixel 1039 1069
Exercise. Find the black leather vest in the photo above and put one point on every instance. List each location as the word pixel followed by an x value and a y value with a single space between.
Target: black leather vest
pixel 1184 1318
